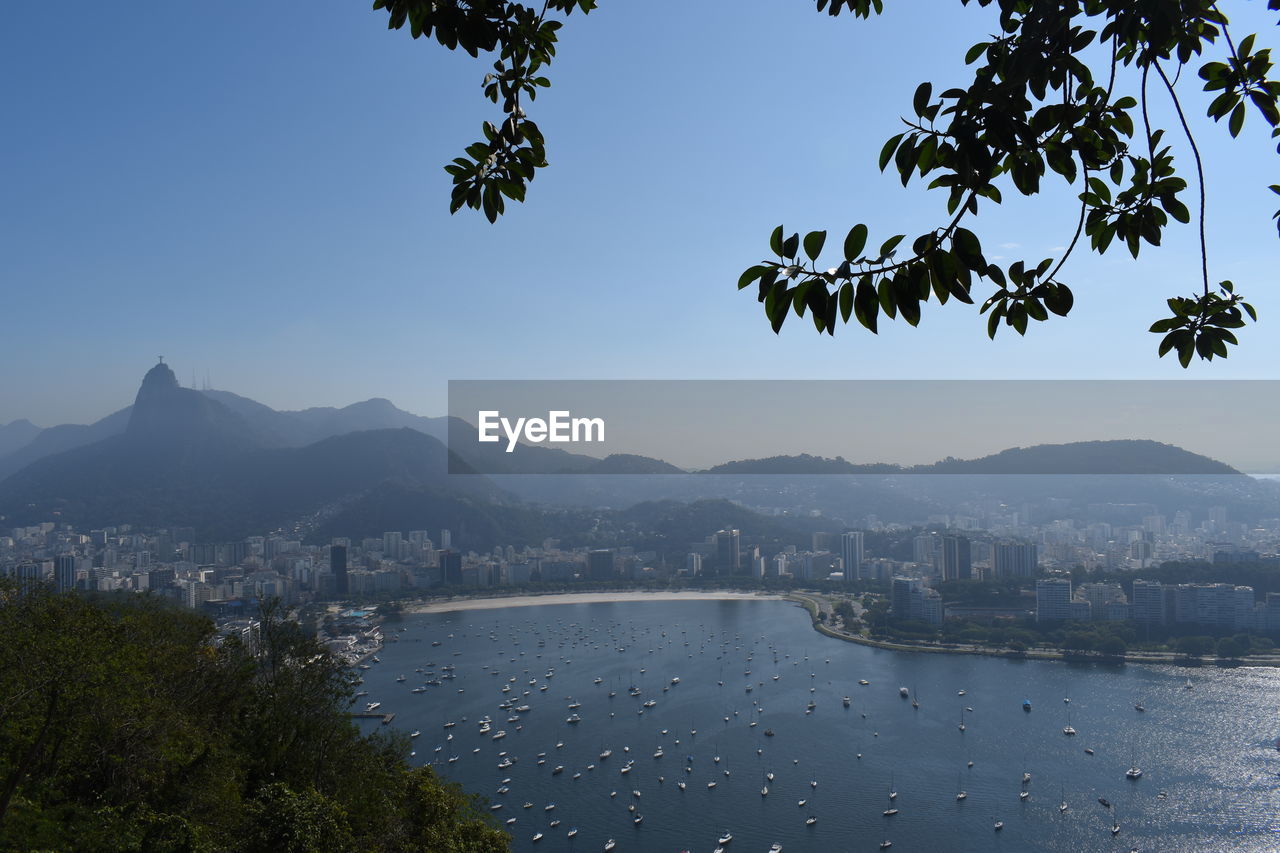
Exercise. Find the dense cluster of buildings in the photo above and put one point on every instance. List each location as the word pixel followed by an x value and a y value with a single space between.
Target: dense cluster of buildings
pixel 226 578
pixel 223 576
pixel 1210 605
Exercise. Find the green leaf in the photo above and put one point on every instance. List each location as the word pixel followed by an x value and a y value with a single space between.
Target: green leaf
pixel 846 301
pixel 790 246
pixel 993 321
pixel 1101 189
pixel 777 305
pixel 799 297
pixel 1185 351
pixel 927 154
pixel 1059 299
pixel 885 292
pixel 907 299
pixel 854 242
pixel 813 243
pixel 819 312
pixel 906 160
pixel 775 241
pixel 920 101
pixel 887 247
pixel 965 245
pixel 886 153
pixel 1018 317
pixel 1236 122
pixel 751 275
pixel 1176 209
pixel 866 305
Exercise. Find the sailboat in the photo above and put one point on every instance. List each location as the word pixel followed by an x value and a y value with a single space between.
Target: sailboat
pixel 960 792
pixel 1068 730
pixel 1134 771
pixel 961 719
pixel 893 795
pixel 1062 806
pixel 915 702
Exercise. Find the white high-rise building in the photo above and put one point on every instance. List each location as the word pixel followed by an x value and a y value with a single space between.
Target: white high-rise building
pixel 1222 605
pixel 923 549
pixel 1015 559
pixel 1148 602
pixel 1100 596
pixel 851 554
pixel 1053 599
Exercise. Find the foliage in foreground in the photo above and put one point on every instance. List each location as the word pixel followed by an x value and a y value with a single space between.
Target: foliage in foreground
pixel 1061 90
pixel 126 726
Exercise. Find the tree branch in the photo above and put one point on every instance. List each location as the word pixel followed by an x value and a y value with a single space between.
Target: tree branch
pixel 1204 248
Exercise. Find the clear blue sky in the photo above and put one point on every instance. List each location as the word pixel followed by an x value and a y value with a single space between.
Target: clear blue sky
pixel 256 192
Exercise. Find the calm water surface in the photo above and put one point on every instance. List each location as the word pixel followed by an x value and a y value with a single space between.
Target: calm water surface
pixel 1207 753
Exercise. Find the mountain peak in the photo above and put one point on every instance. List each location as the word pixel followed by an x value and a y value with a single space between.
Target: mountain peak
pixel 167 415
pixel 158 380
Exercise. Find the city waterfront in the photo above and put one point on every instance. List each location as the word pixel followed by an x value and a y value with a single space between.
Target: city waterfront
pixel 1204 738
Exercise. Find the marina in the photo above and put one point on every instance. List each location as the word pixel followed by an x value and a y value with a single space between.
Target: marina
pixel 1002 778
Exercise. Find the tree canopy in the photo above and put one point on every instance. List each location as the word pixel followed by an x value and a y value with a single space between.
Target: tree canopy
pixel 126 723
pixel 1061 89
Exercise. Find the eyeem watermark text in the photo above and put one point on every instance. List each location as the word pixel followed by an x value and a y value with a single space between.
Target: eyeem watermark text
pixel 558 428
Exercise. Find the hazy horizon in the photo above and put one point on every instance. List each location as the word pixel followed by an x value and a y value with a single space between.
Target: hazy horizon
pixel 876 421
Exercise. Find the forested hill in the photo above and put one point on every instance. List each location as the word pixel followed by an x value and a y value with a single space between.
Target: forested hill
pixel 128 727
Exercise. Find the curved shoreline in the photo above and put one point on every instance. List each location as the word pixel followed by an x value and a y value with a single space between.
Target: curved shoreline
pixel 813 606
pixel 549 598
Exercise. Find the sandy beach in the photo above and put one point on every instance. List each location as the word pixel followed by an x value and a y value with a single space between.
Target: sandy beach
pixel 580 598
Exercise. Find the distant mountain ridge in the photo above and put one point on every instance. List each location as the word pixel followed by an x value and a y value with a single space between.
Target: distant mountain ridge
pixel 61 438
pixel 184 458
pixel 16 435
pixel 231 466
pixel 801 464
pixel 274 428
pixel 1119 456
